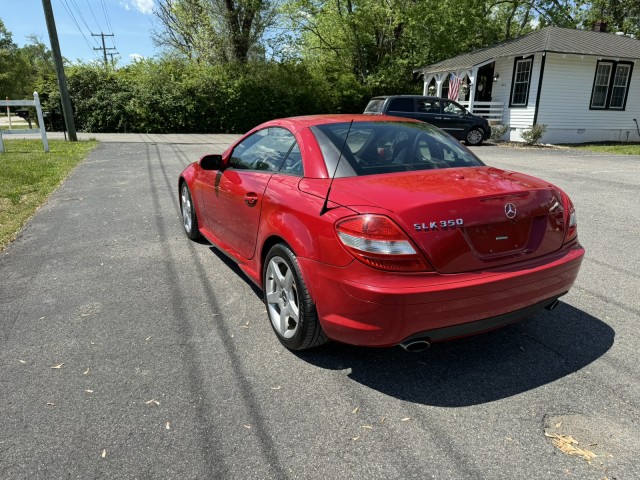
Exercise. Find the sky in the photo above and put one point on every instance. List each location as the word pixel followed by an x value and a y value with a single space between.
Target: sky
pixel 131 22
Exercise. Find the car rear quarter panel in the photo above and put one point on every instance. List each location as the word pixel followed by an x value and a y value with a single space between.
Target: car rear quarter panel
pixel 294 217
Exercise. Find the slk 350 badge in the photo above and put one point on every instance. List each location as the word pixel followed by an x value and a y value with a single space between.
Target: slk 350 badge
pixel 439 225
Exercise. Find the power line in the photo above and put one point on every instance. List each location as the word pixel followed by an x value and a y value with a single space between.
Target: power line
pixel 73 18
pixel 74 4
pixel 106 16
pixel 94 15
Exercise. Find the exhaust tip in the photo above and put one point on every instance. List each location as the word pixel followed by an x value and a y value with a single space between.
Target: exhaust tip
pixel 553 305
pixel 417 345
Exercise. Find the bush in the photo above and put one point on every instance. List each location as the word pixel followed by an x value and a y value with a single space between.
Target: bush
pixel 178 96
pixel 533 134
pixel 498 132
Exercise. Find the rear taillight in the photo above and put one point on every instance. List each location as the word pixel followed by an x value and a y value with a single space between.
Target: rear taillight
pixel 572 222
pixel 377 241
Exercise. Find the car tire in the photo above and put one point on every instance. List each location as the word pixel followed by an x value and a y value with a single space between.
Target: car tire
pixel 474 137
pixel 189 219
pixel 290 308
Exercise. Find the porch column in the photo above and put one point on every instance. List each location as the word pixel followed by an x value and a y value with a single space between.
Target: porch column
pixel 473 75
pixel 440 77
pixel 427 81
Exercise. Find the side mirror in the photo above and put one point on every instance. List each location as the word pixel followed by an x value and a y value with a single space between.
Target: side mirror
pixel 212 162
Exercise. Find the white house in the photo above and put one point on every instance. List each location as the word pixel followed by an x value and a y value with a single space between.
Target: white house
pixel 579 83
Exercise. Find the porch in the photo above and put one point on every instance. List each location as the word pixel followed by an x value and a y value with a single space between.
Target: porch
pixel 492 111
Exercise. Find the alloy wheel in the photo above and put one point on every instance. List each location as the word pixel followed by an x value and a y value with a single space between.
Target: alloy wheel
pixel 282 298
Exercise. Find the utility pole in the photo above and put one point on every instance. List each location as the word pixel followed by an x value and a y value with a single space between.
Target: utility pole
pixel 111 55
pixel 67 111
pixel 104 47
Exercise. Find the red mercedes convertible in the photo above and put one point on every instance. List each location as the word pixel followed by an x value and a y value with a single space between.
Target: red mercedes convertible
pixel 381 231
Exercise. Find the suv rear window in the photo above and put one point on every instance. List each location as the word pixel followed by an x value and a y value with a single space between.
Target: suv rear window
pixel 401 105
pixel 375 106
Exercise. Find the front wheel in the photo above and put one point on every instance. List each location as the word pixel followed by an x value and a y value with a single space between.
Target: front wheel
pixel 474 137
pixel 289 305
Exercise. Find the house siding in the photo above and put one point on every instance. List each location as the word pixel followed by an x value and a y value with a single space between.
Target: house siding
pixel 565 99
pixel 518 118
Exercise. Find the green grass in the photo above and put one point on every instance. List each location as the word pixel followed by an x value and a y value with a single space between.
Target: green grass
pixel 617 148
pixel 28 176
pixel 16 126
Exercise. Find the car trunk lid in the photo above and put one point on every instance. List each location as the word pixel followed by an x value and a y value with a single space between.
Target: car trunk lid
pixel 464 219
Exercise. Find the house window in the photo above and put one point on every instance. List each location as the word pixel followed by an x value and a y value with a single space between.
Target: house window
pixel 521 82
pixel 611 85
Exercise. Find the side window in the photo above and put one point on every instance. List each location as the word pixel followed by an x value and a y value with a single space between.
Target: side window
pixel 428 106
pixel 264 150
pixel 401 105
pixel 293 163
pixel 521 82
pixel 611 85
pixel 452 109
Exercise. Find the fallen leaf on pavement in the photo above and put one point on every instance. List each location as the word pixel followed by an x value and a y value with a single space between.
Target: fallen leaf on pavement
pixel 89 391
pixel 168 426
pixel 355 410
pixel 50 404
pixel 104 453
pixel 22 361
pixel 368 427
pixel 86 371
pixel 247 426
pixel 276 388
pixel 355 438
pixel 59 366
pixel 405 419
pixel 152 402
pixel 567 444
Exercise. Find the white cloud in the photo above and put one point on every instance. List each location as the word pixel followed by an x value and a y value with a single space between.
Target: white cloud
pixel 136 57
pixel 143 6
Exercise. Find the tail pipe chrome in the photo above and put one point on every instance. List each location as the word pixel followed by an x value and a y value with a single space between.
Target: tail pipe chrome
pixel 416 345
pixel 553 305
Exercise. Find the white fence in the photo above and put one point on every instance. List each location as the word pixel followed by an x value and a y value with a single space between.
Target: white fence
pixel 489 110
pixel 26 103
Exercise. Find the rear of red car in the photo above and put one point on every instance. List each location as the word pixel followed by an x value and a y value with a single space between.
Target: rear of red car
pixel 442 251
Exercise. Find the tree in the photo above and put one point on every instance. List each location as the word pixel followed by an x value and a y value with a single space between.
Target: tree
pixel 213 31
pixel 620 15
pixel 12 65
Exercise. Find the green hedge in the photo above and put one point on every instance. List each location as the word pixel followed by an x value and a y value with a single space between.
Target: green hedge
pixel 176 96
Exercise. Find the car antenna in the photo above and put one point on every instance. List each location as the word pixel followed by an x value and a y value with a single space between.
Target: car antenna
pixel 324 208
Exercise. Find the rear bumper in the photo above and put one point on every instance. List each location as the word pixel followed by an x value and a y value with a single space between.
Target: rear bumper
pixel 361 306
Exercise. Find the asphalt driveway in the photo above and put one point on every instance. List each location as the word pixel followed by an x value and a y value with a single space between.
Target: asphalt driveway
pixel 127 351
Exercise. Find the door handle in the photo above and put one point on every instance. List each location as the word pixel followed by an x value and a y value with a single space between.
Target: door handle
pixel 251 199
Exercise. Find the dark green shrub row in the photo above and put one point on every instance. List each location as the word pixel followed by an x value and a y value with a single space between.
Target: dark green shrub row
pixel 175 96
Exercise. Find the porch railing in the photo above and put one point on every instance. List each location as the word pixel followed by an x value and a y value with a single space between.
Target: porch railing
pixel 492 111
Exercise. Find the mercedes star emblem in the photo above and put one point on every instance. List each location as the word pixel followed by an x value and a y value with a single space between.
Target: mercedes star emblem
pixel 510 210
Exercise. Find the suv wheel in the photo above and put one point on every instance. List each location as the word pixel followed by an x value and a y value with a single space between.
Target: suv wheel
pixel 475 136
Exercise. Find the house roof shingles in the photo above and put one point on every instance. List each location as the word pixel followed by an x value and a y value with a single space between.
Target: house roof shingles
pixel 548 39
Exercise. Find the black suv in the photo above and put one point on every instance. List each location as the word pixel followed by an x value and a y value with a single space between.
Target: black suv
pixel 445 114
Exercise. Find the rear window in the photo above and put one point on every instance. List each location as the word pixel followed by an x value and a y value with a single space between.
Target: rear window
pixel 369 148
pixel 375 106
pixel 401 105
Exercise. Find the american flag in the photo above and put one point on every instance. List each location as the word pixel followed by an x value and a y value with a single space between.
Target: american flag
pixel 454 87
